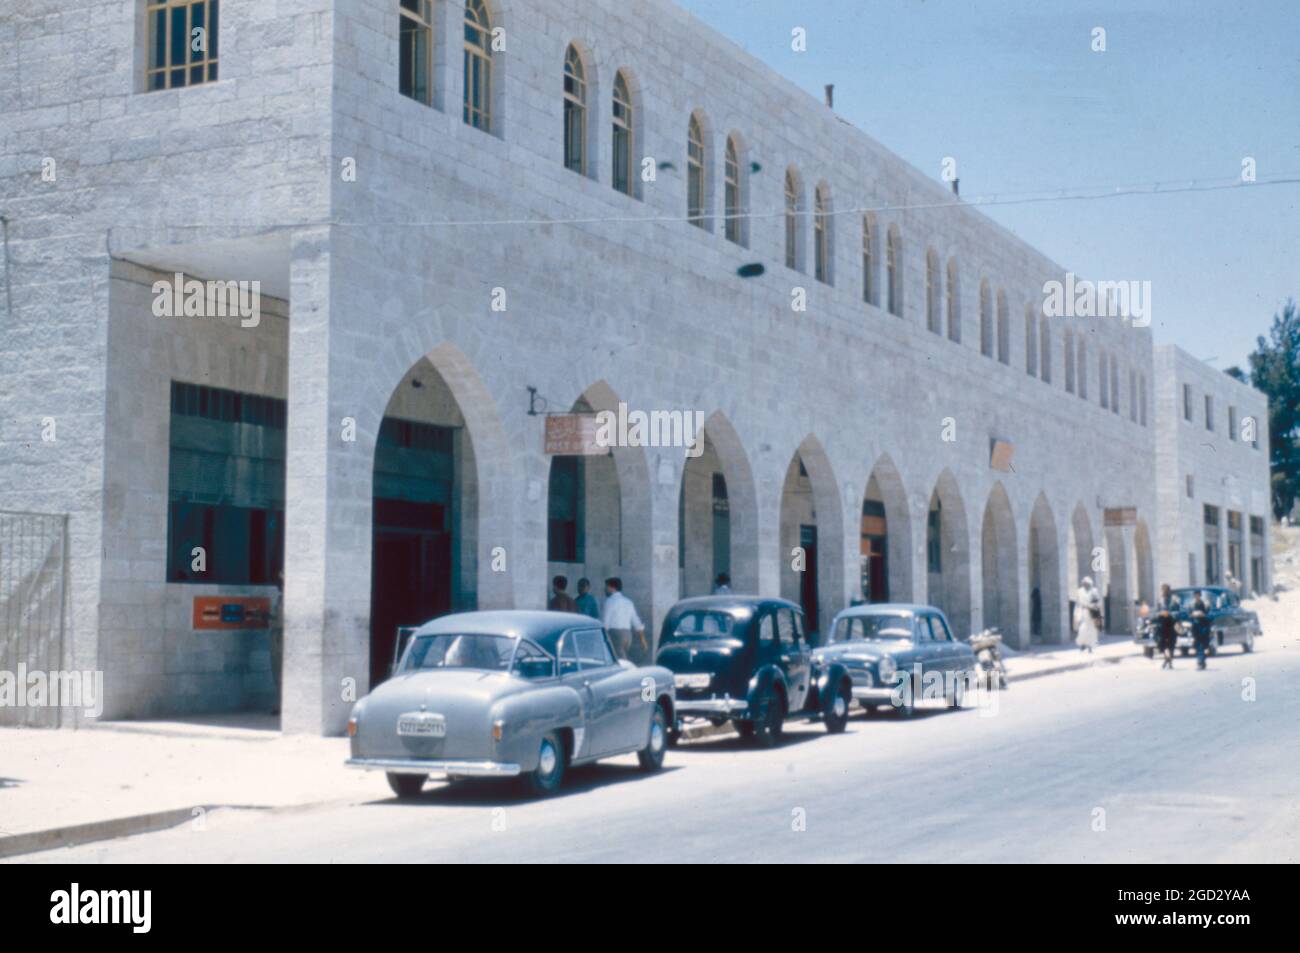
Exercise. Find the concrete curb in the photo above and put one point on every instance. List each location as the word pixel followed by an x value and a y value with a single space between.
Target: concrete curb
pixel 1074 666
pixel 76 834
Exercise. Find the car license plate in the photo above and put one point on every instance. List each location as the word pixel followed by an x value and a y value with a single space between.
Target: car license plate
pixel 422 725
pixel 700 680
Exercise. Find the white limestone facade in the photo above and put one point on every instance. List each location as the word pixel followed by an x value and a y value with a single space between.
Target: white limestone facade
pixel 415 267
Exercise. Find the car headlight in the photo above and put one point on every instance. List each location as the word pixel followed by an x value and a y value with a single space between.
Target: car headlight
pixel 887 667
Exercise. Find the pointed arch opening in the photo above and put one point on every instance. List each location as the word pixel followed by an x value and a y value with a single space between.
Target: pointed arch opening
pixel 718 515
pixel 1046 608
pixel 886 537
pixel 948 560
pixel 812 535
pixel 1000 558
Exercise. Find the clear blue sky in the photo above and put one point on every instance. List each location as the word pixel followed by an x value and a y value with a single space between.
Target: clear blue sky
pixel 1014 92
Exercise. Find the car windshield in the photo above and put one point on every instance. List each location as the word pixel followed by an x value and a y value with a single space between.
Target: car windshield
pixel 490 652
pixel 1187 596
pixel 878 625
pixel 703 625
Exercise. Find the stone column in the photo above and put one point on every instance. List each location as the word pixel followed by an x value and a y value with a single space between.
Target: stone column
pixel 327 512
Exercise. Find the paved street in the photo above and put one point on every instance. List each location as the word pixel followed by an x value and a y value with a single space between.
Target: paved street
pixel 1182 766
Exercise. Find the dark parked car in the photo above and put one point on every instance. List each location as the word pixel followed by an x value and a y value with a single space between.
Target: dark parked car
pixel 749 660
pixel 509 694
pixel 1230 624
pixel 882 644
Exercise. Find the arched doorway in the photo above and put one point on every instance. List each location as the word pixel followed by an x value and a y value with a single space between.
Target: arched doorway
pixel 947 546
pixel 1001 567
pixel 1080 558
pixel 886 537
pixel 424 520
pixel 598 516
pixel 717 515
pixel 812 536
pixel 1119 587
pixel 1044 575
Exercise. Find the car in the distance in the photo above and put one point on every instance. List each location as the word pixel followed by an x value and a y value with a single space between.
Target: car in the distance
pixel 1230 622
pixel 898 654
pixel 749 660
pixel 509 694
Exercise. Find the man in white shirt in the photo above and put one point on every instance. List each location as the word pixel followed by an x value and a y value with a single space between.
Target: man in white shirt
pixel 621 621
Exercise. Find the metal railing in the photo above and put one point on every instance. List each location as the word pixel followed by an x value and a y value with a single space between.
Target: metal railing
pixel 33 604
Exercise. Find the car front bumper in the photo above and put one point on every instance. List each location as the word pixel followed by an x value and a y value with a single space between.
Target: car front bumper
pixel 876 695
pixel 725 707
pixel 465 769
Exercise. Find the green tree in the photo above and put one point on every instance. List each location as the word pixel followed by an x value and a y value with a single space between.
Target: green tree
pixel 1275 370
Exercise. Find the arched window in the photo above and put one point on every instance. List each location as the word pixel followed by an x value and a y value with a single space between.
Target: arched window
pixel 1069 360
pixel 695 173
pixel 478 66
pixel 1114 385
pixel 734 228
pixel 986 319
pixel 793 223
pixel 575 112
pixel 954 302
pixel 1044 350
pixel 1031 342
pixel 932 321
pixel 870 293
pixel 822 235
pixel 621 138
pixel 1082 376
pixel 414 52
pixel 1004 329
pixel 894 270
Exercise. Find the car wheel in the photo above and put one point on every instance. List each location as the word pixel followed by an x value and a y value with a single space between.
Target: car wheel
pixel 837 714
pixel 406 785
pixel 550 767
pixel 957 694
pixel 771 721
pixel 1149 652
pixel 1185 651
pixel 1248 644
pixel 651 756
pixel 908 706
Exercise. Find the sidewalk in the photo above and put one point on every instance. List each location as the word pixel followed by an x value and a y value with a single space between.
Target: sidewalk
pixel 72 787
pixel 65 787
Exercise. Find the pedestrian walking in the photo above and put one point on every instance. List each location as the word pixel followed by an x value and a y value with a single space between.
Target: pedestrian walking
pixel 1166 624
pixel 561 601
pixel 722 585
pixel 586 602
pixel 1087 614
pixel 1201 626
pixel 622 622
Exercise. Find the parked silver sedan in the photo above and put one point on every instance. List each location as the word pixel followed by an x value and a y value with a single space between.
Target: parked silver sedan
pixel 509 694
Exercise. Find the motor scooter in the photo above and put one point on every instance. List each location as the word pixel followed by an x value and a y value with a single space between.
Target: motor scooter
pixel 987 646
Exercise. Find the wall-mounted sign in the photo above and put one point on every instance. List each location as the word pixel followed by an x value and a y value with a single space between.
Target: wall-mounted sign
pixel 1120 516
pixel 231 612
pixel 572 435
pixel 1000 454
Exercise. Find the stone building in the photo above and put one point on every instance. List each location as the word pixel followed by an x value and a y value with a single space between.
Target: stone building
pixel 463 218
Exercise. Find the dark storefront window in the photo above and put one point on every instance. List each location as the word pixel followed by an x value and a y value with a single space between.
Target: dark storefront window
pixel 564 511
pixel 225 486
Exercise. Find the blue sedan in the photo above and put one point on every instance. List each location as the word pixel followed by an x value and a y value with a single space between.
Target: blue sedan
pixel 900 655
